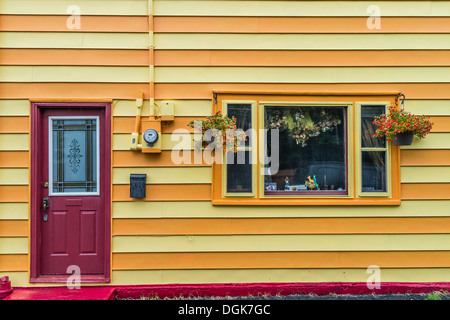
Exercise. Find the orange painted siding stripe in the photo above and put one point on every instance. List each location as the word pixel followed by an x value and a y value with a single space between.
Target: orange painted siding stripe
pixel 425 158
pixel 14 159
pixel 13 228
pixel 440 124
pixel 280 226
pixel 300 25
pixel 14 125
pixel 425 191
pixel 74 57
pixel 166 192
pixel 85 91
pixel 300 58
pixel 10 90
pixel 14 194
pixel 14 262
pixel 269 260
pixel 42 23
pixel 139 159
pixel 204 90
pixel 126 124
pixel 113 57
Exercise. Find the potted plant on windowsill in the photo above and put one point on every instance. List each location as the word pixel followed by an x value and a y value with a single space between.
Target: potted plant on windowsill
pixel 218 131
pixel 400 126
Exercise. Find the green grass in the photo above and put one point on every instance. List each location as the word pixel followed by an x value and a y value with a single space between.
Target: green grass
pixel 437 295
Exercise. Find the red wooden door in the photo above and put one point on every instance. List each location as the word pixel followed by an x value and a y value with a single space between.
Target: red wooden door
pixel 73 195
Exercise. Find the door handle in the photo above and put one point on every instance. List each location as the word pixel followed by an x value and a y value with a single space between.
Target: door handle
pixel 45 205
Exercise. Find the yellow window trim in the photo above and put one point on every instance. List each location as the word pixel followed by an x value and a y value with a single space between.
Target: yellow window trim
pixel 359 149
pixel 252 148
pixel 353 103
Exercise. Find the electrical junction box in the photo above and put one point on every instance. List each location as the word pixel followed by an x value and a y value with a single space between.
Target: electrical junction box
pixel 138 183
pixel 167 111
pixel 151 136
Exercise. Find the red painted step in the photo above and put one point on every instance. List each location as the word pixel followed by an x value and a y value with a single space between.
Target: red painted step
pixel 62 293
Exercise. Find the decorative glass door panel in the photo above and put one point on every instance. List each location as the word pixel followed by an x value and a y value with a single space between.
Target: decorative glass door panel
pixel 73 156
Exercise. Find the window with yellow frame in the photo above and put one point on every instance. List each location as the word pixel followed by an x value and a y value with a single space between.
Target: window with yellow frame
pixel 305 149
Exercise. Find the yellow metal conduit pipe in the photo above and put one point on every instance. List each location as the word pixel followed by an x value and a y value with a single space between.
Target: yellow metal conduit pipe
pixel 151 44
pixel 140 102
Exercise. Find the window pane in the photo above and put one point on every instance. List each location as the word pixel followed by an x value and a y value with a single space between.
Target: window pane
pixel 373 171
pixel 312 149
pixel 239 172
pixel 74 156
pixel 368 113
pixel 243 115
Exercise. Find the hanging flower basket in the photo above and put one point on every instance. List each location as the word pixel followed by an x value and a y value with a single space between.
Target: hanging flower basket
pixel 218 131
pixel 400 126
pixel 403 138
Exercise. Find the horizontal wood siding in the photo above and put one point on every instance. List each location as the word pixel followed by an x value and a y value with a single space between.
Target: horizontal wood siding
pixel 175 235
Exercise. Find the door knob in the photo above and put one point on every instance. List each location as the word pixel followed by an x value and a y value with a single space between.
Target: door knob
pixel 45 205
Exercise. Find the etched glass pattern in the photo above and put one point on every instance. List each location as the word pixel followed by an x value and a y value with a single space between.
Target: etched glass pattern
pixel 74 156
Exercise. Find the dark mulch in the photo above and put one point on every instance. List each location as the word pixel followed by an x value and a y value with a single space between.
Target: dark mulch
pixel 407 296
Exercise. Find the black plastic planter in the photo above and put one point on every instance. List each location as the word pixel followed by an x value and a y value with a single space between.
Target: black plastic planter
pixel 404 139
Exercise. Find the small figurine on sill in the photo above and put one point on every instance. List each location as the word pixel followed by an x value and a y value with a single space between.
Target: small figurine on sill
pixel 311 184
pixel 286 183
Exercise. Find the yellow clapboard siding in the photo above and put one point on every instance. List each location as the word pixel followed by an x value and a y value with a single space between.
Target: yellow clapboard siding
pixel 92 40
pixel 14 228
pixel 16 245
pixel 13 211
pixel 202 108
pixel 275 260
pixel 149 277
pixel 13 159
pixel 259 226
pixel 14 141
pixel 165 175
pixel 88 7
pixel 300 8
pixel 16 262
pixel 428 107
pixel 121 141
pixel 303 41
pixel 129 158
pixel 425 174
pixel 182 108
pixel 204 209
pixel 73 74
pixel 259 243
pixel 302 74
pixel 137 277
pixel 146 277
pixel 14 176
pixel 14 107
pixel 21 278
pixel 431 141
pixel 425 158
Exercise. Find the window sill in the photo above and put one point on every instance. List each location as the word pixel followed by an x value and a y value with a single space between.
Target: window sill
pixel 307 202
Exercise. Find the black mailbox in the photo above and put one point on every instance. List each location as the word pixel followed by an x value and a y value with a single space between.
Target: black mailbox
pixel 137 185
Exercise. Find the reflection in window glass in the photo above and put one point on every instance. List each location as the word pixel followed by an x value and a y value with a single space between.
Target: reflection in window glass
pixel 373 171
pixel 239 172
pixel 368 113
pixel 312 149
pixel 373 152
pixel 243 116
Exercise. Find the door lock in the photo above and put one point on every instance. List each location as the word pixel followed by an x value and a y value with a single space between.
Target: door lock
pixel 45 205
